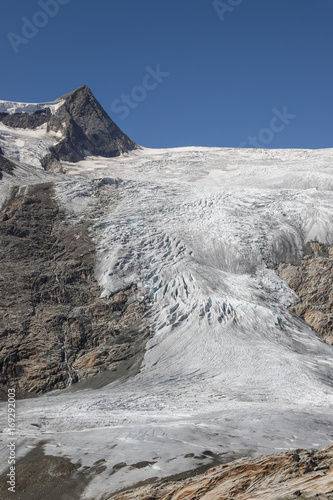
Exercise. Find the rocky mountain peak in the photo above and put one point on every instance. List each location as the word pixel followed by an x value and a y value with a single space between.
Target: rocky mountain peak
pixel 86 128
pixel 81 122
pixel 83 90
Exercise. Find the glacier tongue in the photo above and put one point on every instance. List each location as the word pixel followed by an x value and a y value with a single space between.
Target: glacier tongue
pixel 204 254
pixel 229 368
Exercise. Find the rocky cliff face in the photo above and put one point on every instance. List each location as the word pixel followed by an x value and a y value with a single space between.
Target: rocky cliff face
pixel 54 328
pixel 283 476
pixel 312 280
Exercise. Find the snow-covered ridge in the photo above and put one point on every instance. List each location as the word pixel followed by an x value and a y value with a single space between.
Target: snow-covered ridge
pixel 12 107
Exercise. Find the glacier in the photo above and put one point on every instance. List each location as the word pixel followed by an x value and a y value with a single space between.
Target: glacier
pixel 229 370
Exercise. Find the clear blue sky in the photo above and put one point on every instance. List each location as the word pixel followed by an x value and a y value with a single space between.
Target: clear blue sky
pixel 227 72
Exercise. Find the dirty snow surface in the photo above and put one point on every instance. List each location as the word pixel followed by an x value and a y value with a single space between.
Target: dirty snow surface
pixel 229 370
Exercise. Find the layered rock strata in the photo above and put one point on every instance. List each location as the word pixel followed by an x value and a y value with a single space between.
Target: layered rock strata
pixel 299 474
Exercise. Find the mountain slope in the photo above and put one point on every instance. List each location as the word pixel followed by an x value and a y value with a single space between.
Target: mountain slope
pixel 228 370
pixel 55 330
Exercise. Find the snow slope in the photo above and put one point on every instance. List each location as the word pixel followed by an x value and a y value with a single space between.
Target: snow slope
pixel 27 146
pixel 229 369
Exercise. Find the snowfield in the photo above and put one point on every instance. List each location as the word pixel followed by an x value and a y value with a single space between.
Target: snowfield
pixel 229 369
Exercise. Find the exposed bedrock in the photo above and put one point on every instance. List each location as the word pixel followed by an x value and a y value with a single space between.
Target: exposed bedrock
pixel 26 120
pixel 6 165
pixel 312 281
pixel 282 476
pixel 54 328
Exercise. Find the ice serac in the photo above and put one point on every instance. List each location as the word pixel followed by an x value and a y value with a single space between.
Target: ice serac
pixel 87 130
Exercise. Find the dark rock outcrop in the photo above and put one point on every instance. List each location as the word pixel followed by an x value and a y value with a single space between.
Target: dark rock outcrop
pixel 86 128
pixel 26 120
pixel 54 328
pixel 312 280
pixel 6 166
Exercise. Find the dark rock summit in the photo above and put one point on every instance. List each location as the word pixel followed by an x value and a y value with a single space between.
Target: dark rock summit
pixel 87 130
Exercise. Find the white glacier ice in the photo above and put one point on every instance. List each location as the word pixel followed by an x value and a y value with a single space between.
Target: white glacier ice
pixel 229 368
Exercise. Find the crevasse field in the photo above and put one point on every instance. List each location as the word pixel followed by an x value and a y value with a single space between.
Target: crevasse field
pixel 229 369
